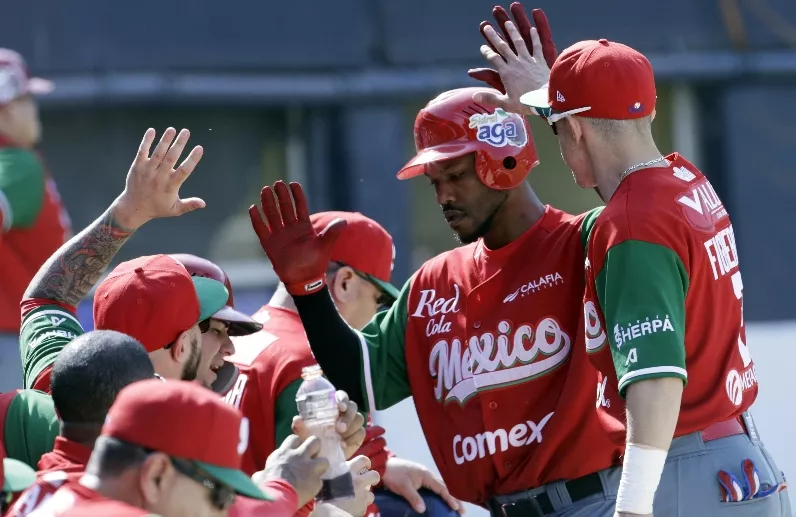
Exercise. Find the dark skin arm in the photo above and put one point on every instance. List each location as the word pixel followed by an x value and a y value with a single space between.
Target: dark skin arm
pixel 151 191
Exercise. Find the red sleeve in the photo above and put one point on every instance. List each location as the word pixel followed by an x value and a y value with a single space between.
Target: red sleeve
pixel 285 502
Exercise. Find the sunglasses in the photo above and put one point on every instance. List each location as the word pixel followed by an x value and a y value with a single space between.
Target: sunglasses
pixel 221 496
pixel 384 299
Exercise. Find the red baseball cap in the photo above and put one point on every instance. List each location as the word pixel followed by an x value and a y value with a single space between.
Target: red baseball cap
pixel 15 476
pixel 15 80
pixel 597 79
pixel 363 245
pixel 185 421
pixel 154 300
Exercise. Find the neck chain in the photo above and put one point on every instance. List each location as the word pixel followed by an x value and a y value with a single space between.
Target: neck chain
pixel 639 165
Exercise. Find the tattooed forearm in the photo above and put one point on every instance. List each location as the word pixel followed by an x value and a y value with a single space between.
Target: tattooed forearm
pixel 71 272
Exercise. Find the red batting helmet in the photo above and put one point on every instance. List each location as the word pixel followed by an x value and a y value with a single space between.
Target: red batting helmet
pixel 453 124
pixel 240 324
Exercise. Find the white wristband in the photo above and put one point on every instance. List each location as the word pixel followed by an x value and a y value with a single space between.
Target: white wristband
pixel 641 473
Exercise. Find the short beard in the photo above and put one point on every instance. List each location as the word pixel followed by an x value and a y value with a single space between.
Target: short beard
pixel 191 367
pixel 484 227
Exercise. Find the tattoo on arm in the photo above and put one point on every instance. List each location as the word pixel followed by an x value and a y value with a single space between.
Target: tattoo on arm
pixel 71 272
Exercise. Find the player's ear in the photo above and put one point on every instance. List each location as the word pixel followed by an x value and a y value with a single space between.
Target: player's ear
pixel 182 346
pixel 156 478
pixel 342 284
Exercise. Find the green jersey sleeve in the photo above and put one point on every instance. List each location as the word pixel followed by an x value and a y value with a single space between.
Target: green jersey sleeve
pixel 22 184
pixel 284 411
pixel 587 225
pixel 641 290
pixel 31 427
pixel 384 377
pixel 45 331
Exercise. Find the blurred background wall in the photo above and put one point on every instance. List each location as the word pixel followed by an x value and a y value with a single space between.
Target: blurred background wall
pixel 326 93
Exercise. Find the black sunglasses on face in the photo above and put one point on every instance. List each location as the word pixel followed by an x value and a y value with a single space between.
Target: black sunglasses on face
pixel 221 496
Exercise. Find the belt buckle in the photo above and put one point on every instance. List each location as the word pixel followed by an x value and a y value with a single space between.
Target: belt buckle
pixel 528 507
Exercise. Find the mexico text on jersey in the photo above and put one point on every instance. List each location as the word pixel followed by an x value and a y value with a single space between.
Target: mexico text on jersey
pixel 489 345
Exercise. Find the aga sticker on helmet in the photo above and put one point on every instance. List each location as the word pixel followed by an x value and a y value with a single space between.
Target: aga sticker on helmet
pixel 499 129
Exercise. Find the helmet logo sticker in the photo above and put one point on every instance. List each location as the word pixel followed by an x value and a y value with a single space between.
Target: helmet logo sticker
pixel 499 129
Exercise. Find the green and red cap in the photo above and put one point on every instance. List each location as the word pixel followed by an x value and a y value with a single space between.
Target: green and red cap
pixel 188 422
pixel 154 299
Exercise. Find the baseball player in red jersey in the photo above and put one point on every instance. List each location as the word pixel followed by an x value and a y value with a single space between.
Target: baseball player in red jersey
pixel 486 338
pixel 664 298
pixel 33 221
pixel 88 374
pixel 152 455
pixel 270 362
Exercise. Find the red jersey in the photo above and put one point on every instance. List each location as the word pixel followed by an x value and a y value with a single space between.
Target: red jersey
pixel 75 500
pixel 664 297
pixel 66 462
pixel 33 224
pixel 489 345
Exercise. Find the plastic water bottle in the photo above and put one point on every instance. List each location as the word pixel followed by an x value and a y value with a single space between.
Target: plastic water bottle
pixel 318 407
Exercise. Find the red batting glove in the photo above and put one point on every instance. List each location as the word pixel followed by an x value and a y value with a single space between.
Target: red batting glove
pixel 490 76
pixel 298 254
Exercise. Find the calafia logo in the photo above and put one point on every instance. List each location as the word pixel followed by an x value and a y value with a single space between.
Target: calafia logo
pixel 499 129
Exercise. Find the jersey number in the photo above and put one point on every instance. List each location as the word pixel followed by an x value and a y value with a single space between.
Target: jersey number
pixel 737 285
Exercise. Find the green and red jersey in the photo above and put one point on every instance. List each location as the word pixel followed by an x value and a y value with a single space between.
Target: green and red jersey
pixel 33 224
pixel 47 327
pixel 664 297
pixel 489 343
pixel 29 425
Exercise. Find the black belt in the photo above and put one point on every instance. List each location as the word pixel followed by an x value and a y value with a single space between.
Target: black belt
pixel 539 505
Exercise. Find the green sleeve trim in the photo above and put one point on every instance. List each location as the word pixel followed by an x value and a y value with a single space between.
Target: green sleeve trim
pixel 45 331
pixel 641 290
pixel 284 411
pixel 587 225
pixel 31 427
pixel 385 381
pixel 22 186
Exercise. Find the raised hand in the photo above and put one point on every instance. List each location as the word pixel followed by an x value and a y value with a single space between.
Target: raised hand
pixel 298 254
pixel 152 188
pixel 520 72
pixel 491 76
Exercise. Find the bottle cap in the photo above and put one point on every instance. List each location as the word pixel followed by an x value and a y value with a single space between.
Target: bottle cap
pixel 311 372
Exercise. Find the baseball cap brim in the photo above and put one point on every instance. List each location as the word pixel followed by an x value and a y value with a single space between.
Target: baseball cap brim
pixel 240 324
pixel 237 480
pixel 212 296
pixel 417 165
pixel 538 100
pixel 39 86
pixel 385 286
pixel 18 476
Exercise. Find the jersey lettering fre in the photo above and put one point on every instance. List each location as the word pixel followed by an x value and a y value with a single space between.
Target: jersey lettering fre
pixel 664 297
pixel 489 345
